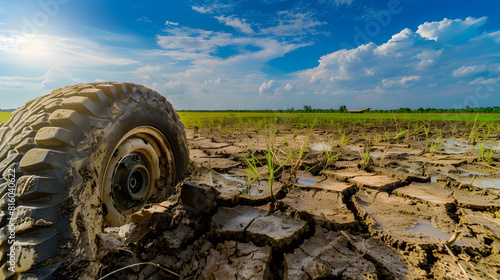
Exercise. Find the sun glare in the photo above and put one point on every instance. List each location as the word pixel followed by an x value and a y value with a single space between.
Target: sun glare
pixel 34 47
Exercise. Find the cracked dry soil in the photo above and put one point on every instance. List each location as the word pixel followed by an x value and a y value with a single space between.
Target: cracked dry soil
pixel 391 220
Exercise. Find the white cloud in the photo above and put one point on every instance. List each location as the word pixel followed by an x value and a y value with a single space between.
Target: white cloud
pixel 17 81
pixel 268 86
pixel 342 65
pixel 56 77
pixel 237 23
pixel 202 10
pixel 399 82
pixel 293 24
pixel 171 23
pixel 407 81
pixel 369 72
pixel 201 45
pixel 186 67
pixel 484 81
pixel 56 51
pixel 465 71
pixel 144 19
pixel 452 31
pixel 402 40
pixel 428 59
pixel 495 36
pixel 342 2
pixel 404 68
pixel 187 39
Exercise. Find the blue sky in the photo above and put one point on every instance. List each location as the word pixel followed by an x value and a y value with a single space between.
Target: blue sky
pixel 260 54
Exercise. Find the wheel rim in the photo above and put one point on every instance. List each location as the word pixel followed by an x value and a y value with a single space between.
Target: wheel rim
pixel 141 164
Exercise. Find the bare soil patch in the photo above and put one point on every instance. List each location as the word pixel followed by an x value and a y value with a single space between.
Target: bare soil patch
pixel 395 217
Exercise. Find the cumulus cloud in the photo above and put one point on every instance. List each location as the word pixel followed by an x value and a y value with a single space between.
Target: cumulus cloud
pixel 268 86
pixel 465 71
pixel 428 59
pixel 452 31
pixel 399 69
pixel 186 67
pixel 402 40
pixel 342 65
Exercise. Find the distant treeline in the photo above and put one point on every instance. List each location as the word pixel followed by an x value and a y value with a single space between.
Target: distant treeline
pixel 7 110
pixel 343 109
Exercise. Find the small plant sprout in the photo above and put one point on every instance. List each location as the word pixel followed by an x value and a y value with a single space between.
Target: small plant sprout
pixel 285 142
pixel 273 165
pixel 330 156
pixel 436 143
pixel 365 157
pixel 339 130
pixel 485 153
pixel 387 136
pixel 426 132
pixel 344 141
pixel 401 134
pixel 298 161
pixel 252 171
pixel 473 130
pixel 219 126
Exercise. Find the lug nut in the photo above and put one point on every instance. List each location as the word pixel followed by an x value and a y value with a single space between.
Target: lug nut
pixel 117 187
pixel 137 157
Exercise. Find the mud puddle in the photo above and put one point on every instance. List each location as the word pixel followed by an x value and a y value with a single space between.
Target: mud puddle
pixel 428 229
pixel 308 182
pixel 454 147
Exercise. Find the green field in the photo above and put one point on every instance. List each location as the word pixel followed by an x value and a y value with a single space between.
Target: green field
pixel 302 119
pixel 4 116
pixel 259 119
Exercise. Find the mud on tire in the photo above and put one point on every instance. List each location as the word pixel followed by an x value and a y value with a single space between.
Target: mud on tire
pixel 76 159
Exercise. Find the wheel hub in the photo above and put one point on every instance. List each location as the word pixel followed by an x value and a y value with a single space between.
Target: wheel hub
pixel 140 166
pixel 131 181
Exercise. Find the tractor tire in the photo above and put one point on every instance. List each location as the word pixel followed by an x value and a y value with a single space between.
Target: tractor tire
pixel 76 160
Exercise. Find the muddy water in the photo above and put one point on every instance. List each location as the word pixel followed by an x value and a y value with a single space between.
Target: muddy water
pixel 430 230
pixel 309 182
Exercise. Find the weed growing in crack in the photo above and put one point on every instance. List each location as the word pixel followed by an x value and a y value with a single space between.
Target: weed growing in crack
pixel 473 130
pixel 436 143
pixel 298 162
pixel 273 164
pixel 485 153
pixel 344 141
pixel 330 156
pixel 365 157
pixel 401 134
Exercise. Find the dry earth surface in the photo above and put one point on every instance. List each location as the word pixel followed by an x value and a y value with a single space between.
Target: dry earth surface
pixel 391 219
